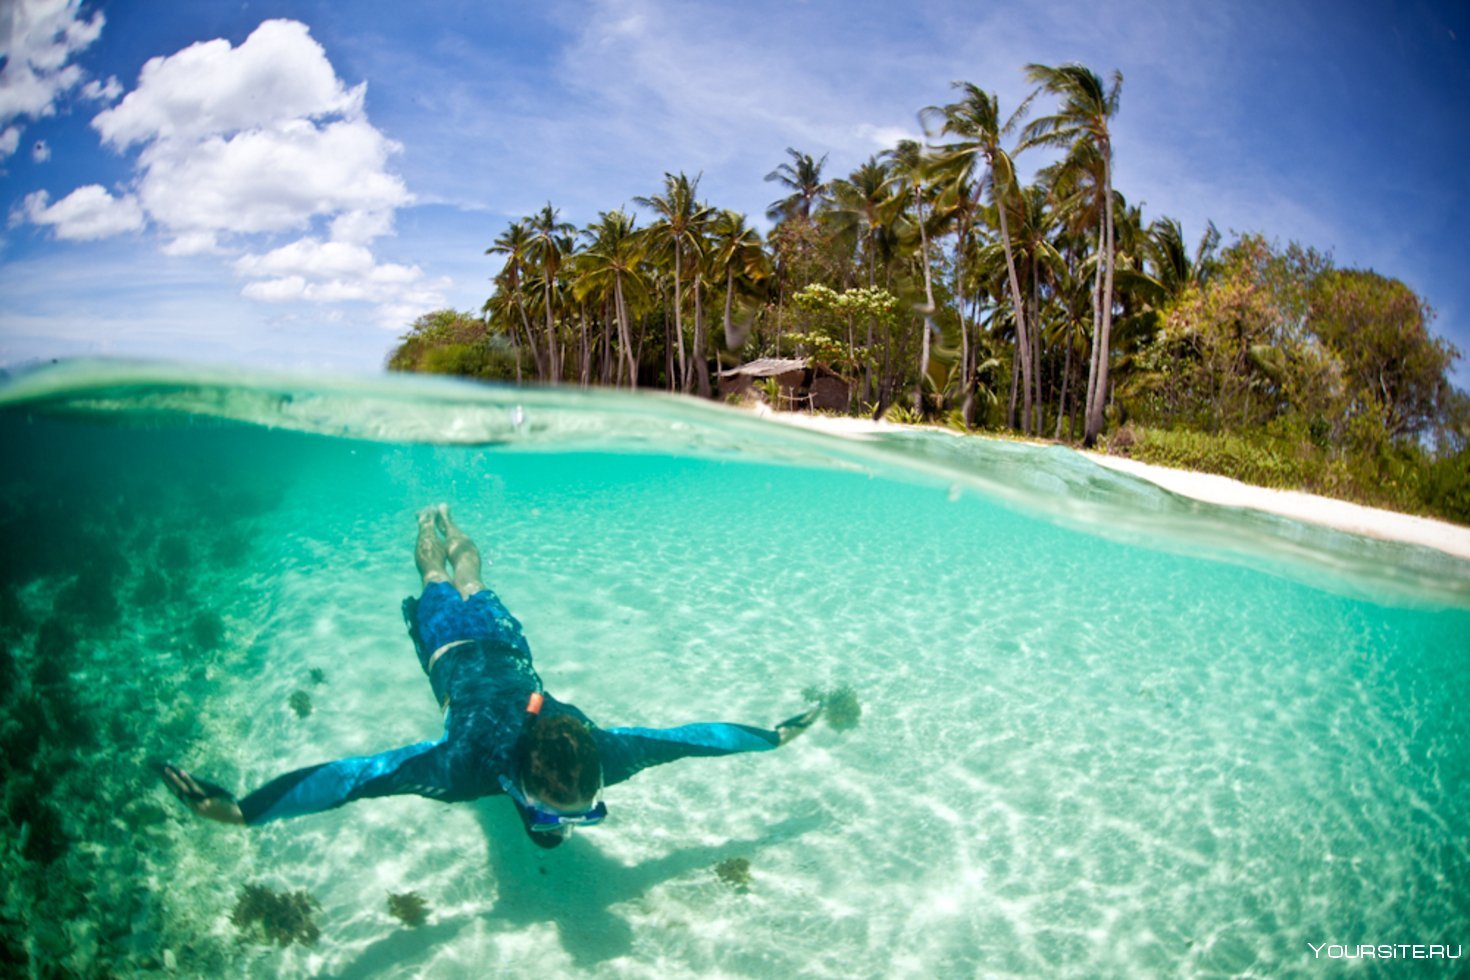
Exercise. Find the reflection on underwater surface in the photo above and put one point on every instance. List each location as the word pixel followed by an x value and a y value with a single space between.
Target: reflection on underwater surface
pixel 1078 753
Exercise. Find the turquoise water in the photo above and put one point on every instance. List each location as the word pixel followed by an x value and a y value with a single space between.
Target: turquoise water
pixel 1105 731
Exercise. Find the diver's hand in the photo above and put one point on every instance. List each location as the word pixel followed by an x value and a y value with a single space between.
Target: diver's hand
pixel 794 726
pixel 204 798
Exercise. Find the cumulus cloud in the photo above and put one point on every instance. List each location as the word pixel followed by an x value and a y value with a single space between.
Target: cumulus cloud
pixel 263 137
pixel 235 144
pixel 41 152
pixel 38 40
pixel 317 271
pixel 86 213
pixel 278 73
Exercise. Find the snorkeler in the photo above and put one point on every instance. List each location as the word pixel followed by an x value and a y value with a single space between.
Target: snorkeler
pixel 503 734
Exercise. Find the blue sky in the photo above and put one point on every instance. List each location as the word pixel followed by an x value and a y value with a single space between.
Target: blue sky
pixel 288 183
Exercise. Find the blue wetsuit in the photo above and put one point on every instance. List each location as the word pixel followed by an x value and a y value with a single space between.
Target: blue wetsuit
pixel 484 686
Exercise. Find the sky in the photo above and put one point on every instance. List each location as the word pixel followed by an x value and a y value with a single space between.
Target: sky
pixel 289 183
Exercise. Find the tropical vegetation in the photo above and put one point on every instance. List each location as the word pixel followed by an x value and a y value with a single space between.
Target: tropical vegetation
pixel 942 286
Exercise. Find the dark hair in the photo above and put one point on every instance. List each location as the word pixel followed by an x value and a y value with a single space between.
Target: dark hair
pixel 559 761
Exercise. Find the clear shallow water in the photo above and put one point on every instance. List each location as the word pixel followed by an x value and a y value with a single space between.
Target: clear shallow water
pixel 1105 731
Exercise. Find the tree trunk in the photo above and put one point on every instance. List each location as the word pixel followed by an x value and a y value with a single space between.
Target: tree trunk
pixel 530 335
pixel 1105 311
pixel 553 366
pixel 701 363
pixel 929 304
pixel 1015 388
pixel 1023 347
pixel 967 405
pixel 1096 338
pixel 679 317
pixel 1066 380
pixel 623 333
pixel 1037 366
pixel 729 308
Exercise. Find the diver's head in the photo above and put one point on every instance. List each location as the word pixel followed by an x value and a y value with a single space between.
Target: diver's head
pixel 560 779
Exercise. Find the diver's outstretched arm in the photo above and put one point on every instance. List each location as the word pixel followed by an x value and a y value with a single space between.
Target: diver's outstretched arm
pixel 204 798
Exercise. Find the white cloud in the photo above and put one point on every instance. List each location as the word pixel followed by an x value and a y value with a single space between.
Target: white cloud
pixel 41 152
pixel 234 143
pixel 272 180
pixel 281 290
pixel 315 271
pixel 86 213
pixel 309 256
pixel 278 73
pixel 38 39
pixel 108 91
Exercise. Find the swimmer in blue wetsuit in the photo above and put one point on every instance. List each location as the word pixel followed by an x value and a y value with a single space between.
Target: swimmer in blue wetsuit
pixel 503 734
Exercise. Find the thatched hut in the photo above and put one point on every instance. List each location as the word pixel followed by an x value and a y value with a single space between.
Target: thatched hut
pixel 802 384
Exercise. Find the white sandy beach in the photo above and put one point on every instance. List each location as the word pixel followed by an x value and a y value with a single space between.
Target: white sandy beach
pixel 1339 514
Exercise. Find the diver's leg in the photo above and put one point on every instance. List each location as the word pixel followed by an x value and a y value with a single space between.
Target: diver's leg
pixel 464 557
pixel 430 553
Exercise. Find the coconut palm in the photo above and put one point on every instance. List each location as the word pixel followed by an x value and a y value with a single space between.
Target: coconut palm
pixel 1169 260
pixel 911 171
pixel 548 245
pixel 679 232
pixel 861 210
pixel 1081 122
pixel 609 269
pixel 513 244
pixel 739 255
pixel 803 177
pixel 978 155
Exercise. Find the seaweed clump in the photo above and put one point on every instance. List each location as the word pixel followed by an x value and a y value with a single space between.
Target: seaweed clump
pixel 734 872
pixel 318 676
pixel 840 705
pixel 300 703
pixel 408 908
pixel 277 917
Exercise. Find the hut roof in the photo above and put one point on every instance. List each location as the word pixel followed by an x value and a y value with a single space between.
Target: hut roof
pixel 766 367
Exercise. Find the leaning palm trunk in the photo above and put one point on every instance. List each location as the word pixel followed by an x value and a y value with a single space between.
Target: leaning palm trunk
pixel 928 305
pixel 530 336
pixel 623 337
pixel 552 364
pixel 729 307
pixel 679 318
pixel 1023 345
pixel 1062 399
pixel 1098 393
pixel 701 366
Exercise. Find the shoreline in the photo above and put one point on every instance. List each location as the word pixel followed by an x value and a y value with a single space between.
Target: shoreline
pixel 1340 515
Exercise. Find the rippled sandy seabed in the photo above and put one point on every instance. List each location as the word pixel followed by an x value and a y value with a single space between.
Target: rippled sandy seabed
pixel 1105 731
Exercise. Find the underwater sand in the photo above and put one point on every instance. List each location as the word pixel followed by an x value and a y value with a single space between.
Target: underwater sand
pixel 1105 731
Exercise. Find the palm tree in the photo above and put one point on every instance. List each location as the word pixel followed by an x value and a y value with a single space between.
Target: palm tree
pixel 1081 123
pixel 909 167
pixel 609 268
pixel 975 119
pixel 1170 262
pixel 862 209
pixel 549 243
pixel 803 177
pixel 514 243
pixel 679 230
pixel 738 253
pixel 860 212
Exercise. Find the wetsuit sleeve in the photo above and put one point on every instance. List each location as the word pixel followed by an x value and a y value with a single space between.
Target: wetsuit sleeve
pixel 417 769
pixel 626 751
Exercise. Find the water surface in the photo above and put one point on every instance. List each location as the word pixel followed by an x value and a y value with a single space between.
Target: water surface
pixel 1105 730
